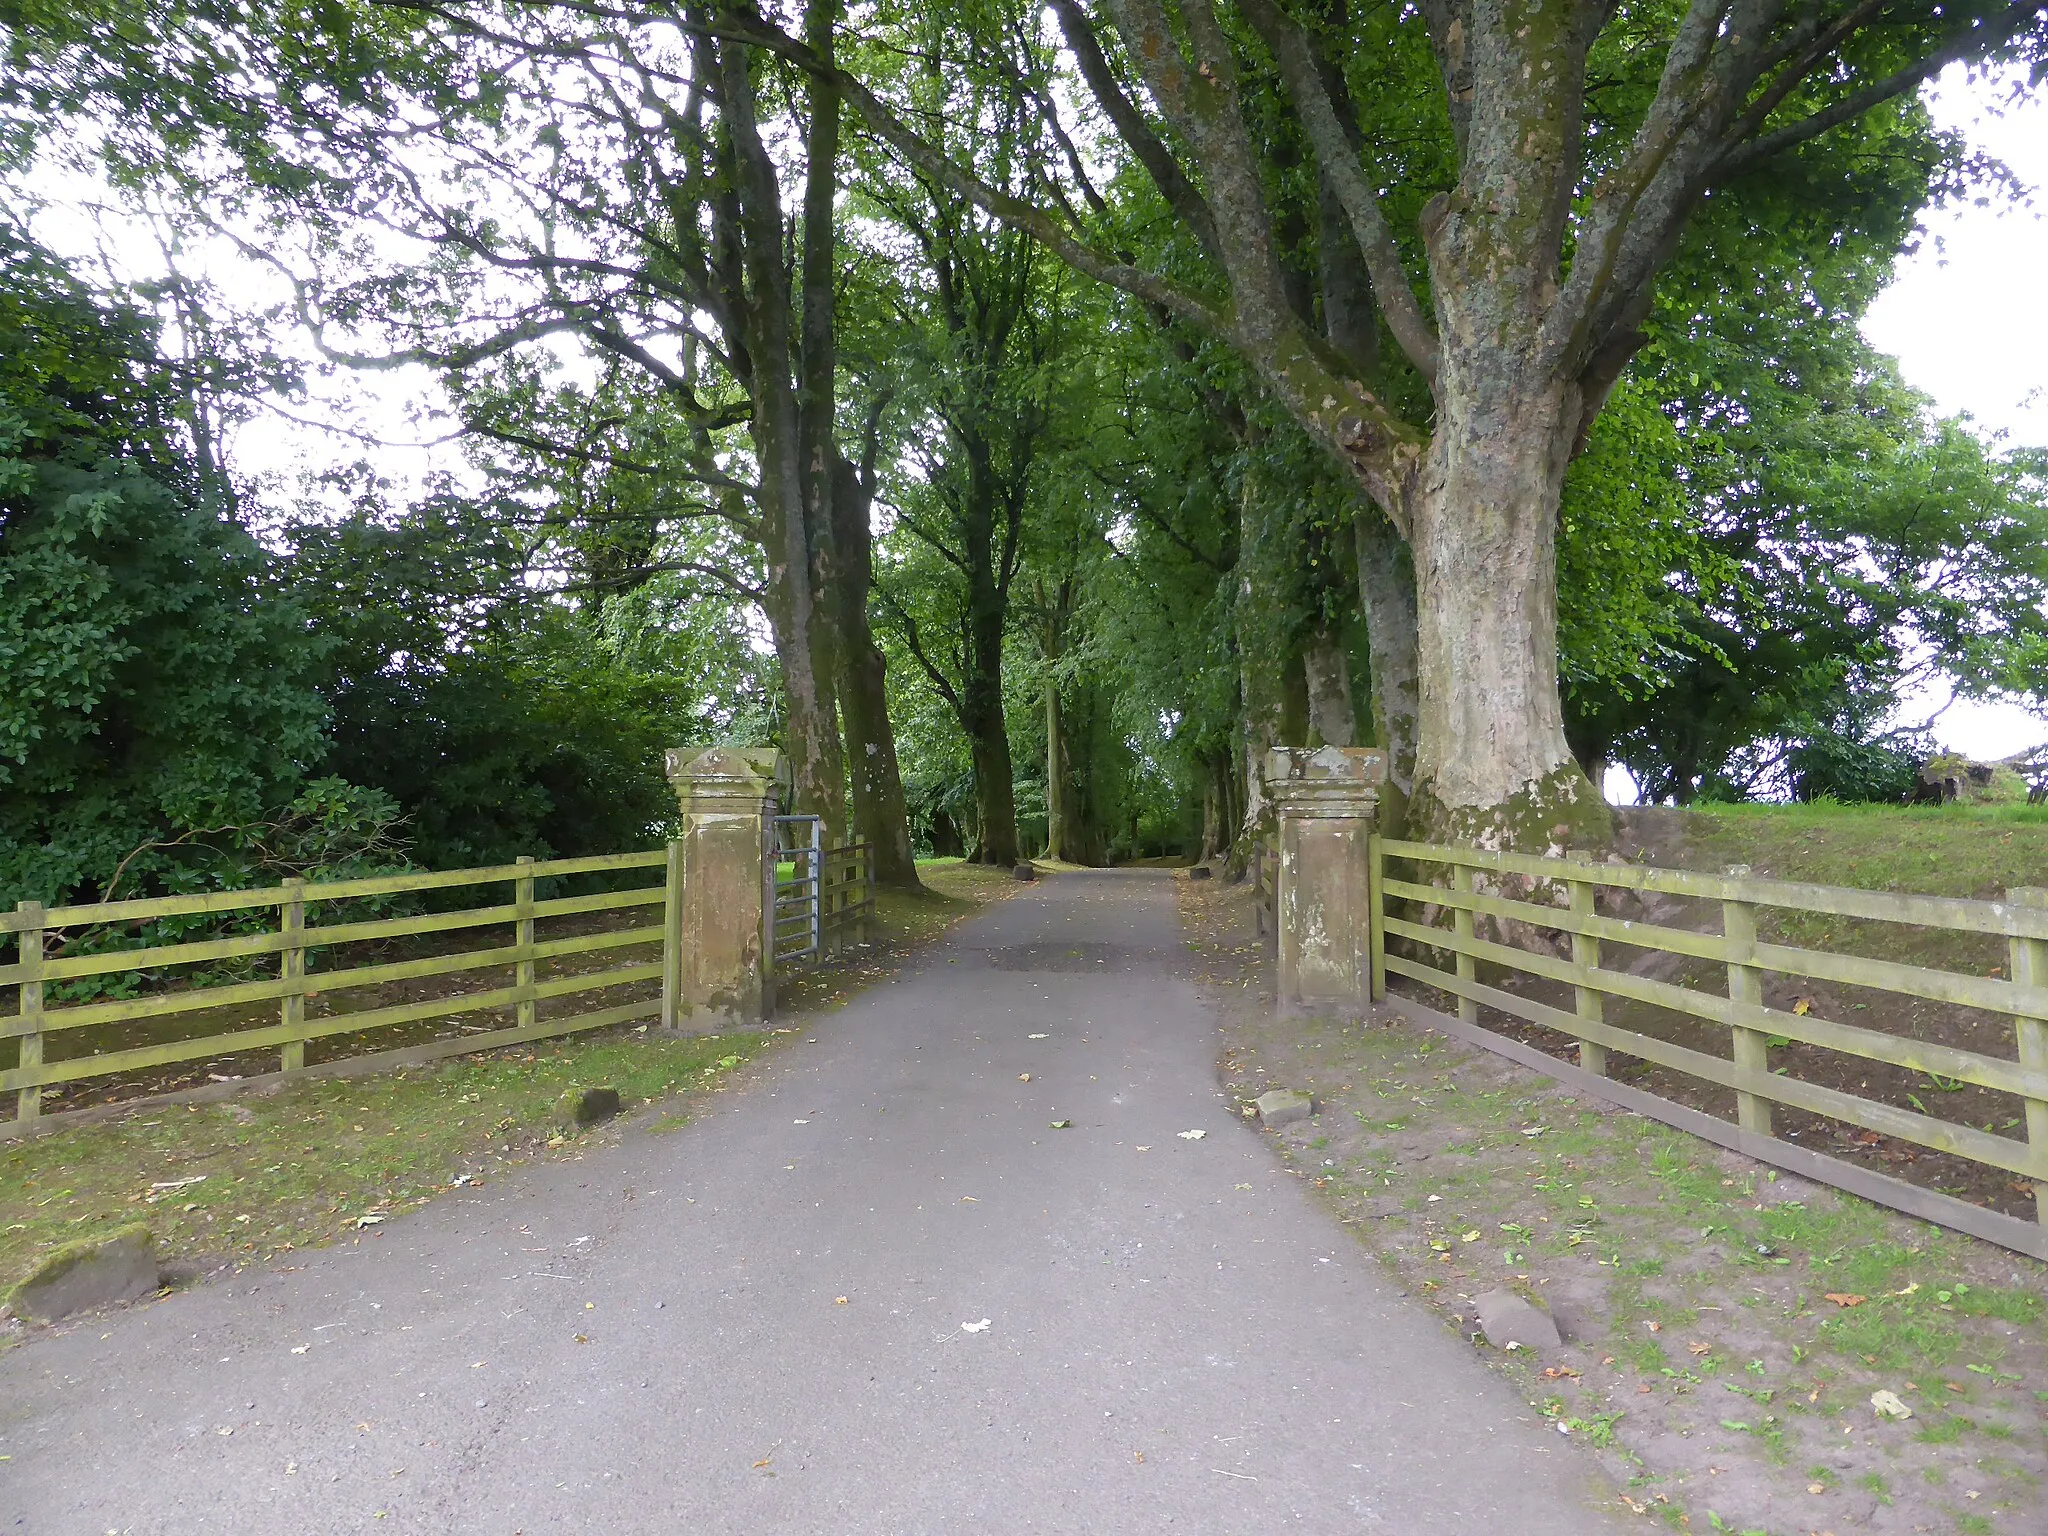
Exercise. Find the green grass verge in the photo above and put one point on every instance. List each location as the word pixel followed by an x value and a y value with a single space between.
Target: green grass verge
pixel 259 1175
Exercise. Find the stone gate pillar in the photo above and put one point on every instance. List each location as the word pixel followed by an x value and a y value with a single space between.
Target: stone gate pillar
pixel 715 954
pixel 1327 799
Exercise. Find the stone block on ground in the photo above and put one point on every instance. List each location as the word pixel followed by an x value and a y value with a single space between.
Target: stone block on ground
pixel 93 1272
pixel 1025 871
pixel 1513 1322
pixel 1284 1106
pixel 581 1108
pixel 1200 872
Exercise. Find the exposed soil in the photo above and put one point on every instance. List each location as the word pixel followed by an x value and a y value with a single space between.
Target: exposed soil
pixel 1725 1326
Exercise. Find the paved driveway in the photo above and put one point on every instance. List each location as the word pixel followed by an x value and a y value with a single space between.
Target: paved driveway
pixel 755 1323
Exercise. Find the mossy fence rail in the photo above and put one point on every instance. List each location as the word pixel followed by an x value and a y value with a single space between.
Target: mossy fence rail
pixel 575 962
pixel 1772 1054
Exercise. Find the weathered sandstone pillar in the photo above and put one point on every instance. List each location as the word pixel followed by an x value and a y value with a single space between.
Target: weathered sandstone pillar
pixel 715 974
pixel 1327 799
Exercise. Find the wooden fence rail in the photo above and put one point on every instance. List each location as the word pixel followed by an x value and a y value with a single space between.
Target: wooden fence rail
pixel 64 1043
pixel 1752 1029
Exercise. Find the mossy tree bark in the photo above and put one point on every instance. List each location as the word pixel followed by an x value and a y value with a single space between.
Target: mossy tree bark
pixel 785 364
pixel 880 813
pixel 1522 335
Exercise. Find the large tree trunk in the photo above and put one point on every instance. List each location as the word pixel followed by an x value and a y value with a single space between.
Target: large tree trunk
pixel 797 619
pixel 1328 673
pixel 786 413
pixel 1492 764
pixel 880 815
pixel 1059 838
pixel 1386 582
pixel 988 740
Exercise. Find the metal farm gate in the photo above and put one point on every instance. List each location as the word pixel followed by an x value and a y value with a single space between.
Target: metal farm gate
pixel 820 900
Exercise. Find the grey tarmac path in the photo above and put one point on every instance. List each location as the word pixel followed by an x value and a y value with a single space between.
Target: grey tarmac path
pixel 649 1338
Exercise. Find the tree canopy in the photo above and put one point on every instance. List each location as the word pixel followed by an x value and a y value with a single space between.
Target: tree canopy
pixel 1024 417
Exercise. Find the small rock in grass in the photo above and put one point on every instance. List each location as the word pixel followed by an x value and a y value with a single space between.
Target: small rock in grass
pixel 1284 1106
pixel 581 1108
pixel 1025 871
pixel 1200 872
pixel 1785 1189
pixel 1513 1322
pixel 93 1272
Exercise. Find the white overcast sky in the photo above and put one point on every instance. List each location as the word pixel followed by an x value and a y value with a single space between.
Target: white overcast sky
pixel 1967 317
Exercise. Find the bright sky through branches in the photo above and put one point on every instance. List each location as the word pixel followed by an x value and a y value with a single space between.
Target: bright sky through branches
pixel 1967 317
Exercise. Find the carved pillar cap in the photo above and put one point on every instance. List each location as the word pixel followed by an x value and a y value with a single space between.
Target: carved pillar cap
pixel 1324 781
pixel 728 773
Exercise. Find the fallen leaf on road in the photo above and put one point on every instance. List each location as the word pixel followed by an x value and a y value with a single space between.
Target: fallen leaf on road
pixel 980 1327
pixel 764 1461
pixel 1469 1237
pixel 1816 1487
pixel 838 1301
pixel 582 1338
pixel 1038 1037
pixel 1554 1372
pixel 1063 1125
pixel 1802 1005
pixel 1844 1299
pixel 1192 1135
pixel 1653 1325
pixel 1143 1149
pixel 300 1349
pixel 1889 1404
pixel 1023 1077
pixel 1699 1347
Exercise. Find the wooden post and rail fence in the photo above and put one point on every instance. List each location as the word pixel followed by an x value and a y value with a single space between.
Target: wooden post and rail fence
pixel 1507 941
pixel 307 963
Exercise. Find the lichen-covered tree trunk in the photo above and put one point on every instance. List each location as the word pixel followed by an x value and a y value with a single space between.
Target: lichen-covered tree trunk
pixel 880 814
pixel 789 395
pixel 1492 764
pixel 799 623
pixel 1386 583
pixel 1327 671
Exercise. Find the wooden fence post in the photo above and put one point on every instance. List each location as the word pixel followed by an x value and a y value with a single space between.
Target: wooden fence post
pixel 291 966
pixel 672 939
pixel 2029 968
pixel 1464 879
pixel 528 1011
pixel 1587 1000
pixel 1746 985
pixel 1376 915
pixel 29 1101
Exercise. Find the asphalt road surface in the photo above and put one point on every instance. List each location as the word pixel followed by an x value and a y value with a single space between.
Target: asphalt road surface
pixel 872 1290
